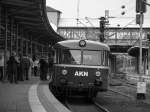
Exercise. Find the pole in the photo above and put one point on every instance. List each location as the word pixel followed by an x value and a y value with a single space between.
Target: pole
pixel 140 45
pixel 141 85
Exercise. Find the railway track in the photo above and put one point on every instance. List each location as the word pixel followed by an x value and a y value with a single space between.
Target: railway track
pixel 85 106
pixel 101 107
pixel 129 84
pixel 115 100
pixel 129 90
pixel 123 94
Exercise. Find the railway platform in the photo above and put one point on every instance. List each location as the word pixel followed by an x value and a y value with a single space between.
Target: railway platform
pixel 28 96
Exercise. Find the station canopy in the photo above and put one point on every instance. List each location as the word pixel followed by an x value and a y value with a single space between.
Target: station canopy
pixel 32 16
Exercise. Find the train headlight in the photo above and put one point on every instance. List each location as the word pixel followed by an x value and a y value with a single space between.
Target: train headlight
pixel 64 72
pixel 98 73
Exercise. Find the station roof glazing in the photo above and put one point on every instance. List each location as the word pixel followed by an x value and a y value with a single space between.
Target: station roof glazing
pixel 32 15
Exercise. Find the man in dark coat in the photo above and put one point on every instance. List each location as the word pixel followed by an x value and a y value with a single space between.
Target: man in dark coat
pixel 50 66
pixel 43 69
pixel 12 69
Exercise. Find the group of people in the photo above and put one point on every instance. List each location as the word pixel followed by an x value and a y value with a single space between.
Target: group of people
pixel 23 67
pixel 18 68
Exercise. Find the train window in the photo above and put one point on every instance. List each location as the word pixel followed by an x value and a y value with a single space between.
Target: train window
pixel 57 55
pixel 95 58
pixel 75 56
pixel 70 56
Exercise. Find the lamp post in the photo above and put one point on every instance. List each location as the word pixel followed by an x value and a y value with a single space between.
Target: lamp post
pixel 141 84
pixel 140 44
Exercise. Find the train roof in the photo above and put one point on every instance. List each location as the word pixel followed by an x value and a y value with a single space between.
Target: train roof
pixel 74 44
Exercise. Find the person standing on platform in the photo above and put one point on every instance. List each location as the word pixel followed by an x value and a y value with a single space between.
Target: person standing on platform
pixel 1 67
pixel 35 66
pixel 50 66
pixel 30 67
pixel 41 62
pixel 46 66
pixel 12 68
pixel 20 72
pixel 25 64
pixel 43 69
pixel 18 67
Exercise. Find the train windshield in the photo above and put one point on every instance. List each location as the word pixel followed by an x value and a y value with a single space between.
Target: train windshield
pixel 86 57
pixel 70 57
pixel 95 58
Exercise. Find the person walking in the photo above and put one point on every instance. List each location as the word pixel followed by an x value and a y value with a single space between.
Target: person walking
pixel 12 65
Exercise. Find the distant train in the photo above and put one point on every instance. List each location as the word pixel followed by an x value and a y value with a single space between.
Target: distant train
pixel 81 67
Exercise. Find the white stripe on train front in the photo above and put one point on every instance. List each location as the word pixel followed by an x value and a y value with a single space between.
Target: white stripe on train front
pixel 82 66
pixel 81 73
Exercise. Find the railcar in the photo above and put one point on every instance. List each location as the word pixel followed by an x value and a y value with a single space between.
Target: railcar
pixel 81 67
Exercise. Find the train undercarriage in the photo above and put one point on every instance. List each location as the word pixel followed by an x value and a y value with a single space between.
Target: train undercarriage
pixel 67 91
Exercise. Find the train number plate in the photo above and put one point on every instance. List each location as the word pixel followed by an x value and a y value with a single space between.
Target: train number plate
pixel 81 73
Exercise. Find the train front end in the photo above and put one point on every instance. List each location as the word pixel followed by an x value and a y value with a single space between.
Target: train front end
pixel 80 71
